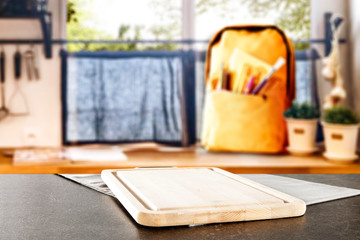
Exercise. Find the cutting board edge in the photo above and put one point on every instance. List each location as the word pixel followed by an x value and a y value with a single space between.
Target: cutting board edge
pixel 292 208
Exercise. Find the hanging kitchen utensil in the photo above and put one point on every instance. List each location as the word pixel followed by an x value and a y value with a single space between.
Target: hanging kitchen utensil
pixel 36 62
pixel 29 60
pixel 31 63
pixel 17 63
pixel 4 111
pixel 18 97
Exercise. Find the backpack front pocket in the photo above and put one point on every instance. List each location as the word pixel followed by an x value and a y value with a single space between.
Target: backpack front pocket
pixel 243 123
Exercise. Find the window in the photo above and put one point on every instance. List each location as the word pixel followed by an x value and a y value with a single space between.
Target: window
pixel 162 19
pixel 132 95
pixel 152 20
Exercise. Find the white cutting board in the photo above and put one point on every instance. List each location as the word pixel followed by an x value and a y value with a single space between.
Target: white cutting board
pixel 187 196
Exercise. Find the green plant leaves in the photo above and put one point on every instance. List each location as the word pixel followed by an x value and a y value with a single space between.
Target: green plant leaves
pixel 341 115
pixel 302 111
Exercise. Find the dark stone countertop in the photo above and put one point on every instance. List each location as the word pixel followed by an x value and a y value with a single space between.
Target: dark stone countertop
pixel 51 207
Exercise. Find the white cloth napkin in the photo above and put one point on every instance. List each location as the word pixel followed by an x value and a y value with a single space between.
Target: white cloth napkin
pixel 310 192
pixel 95 154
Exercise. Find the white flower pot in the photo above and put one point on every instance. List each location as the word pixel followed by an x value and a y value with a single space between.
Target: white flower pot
pixel 341 141
pixel 302 135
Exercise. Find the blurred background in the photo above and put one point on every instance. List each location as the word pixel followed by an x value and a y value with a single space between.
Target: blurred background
pixel 151 25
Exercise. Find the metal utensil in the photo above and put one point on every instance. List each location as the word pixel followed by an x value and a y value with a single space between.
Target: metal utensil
pixel 31 63
pixel 4 111
pixel 29 55
pixel 36 62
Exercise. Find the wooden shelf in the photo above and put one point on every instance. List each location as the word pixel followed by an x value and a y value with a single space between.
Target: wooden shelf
pixel 233 162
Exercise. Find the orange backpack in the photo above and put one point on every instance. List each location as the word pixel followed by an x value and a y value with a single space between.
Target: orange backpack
pixel 248 123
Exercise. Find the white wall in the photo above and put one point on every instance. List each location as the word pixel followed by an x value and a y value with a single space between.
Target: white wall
pixel 354 40
pixel 43 96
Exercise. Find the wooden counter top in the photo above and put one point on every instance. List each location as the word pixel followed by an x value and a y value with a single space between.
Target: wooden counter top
pixel 233 162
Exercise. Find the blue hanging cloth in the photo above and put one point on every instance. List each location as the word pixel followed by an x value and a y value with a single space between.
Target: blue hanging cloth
pixel 118 97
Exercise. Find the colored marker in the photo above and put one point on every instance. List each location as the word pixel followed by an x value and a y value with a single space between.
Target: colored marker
pixel 249 86
pixel 279 63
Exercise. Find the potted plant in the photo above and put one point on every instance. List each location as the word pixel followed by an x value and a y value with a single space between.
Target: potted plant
pixel 341 127
pixel 302 120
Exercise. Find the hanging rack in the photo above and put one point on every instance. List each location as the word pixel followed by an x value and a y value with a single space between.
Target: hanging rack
pixel 38 10
pixel 65 41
